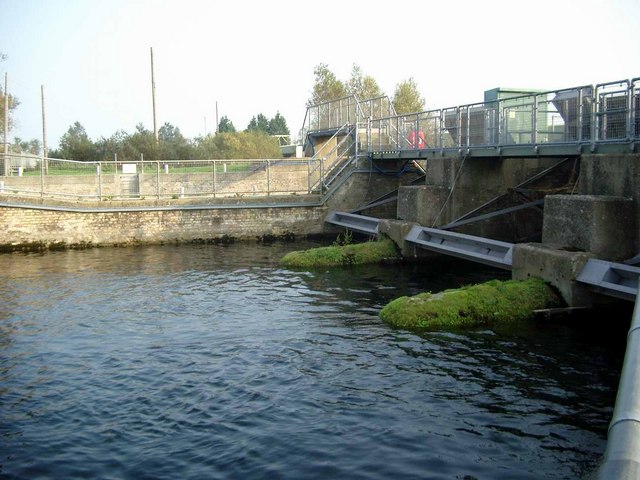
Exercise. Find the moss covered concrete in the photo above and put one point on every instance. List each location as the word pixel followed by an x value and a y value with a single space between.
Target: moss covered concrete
pixel 483 305
pixel 382 250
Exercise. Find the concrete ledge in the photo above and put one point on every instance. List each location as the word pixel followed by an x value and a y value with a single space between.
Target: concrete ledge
pixel 397 231
pixel 589 222
pixel 558 267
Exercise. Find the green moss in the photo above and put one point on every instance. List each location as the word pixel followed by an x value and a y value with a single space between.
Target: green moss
pixel 486 304
pixel 335 256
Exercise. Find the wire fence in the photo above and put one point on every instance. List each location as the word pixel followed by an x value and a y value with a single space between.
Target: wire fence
pixel 48 177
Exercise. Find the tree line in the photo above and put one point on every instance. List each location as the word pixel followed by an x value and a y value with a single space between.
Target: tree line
pixel 327 86
pixel 255 141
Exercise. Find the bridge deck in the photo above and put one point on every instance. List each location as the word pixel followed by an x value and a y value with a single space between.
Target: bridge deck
pixel 604 118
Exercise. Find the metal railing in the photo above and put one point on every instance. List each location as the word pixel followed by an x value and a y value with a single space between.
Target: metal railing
pixel 328 116
pixel 330 154
pixel 622 456
pixel 28 175
pixel 585 115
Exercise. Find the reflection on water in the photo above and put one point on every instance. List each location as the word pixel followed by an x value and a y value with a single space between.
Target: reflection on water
pixel 214 362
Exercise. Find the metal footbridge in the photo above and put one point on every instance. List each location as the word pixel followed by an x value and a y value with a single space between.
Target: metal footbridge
pixel 586 119
pixel 602 118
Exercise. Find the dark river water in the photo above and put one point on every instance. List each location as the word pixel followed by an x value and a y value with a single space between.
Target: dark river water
pixel 212 362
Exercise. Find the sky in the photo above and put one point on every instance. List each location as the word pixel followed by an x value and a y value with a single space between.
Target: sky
pixel 93 57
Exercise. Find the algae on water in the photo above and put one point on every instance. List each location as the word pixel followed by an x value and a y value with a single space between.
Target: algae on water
pixel 335 256
pixel 487 304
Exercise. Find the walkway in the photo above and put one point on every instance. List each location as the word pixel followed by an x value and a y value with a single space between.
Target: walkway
pixel 570 121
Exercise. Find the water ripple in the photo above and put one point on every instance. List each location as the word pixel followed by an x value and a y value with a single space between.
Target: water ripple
pixel 212 362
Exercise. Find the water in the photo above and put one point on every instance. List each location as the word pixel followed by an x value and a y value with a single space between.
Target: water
pixel 213 362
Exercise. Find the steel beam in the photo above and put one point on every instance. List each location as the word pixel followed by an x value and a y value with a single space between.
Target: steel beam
pixel 357 223
pixel 483 250
pixel 613 279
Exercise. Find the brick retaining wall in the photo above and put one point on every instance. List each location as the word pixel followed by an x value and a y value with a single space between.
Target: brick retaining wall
pixel 35 227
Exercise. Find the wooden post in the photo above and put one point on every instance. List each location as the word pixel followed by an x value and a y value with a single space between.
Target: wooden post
pixel 45 149
pixel 6 126
pixel 153 98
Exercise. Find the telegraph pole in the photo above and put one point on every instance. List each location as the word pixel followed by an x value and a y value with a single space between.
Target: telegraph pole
pixel 217 121
pixel 153 98
pixel 6 126
pixel 45 150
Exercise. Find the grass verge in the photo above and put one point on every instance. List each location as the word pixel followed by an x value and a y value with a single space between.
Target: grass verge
pixel 337 256
pixel 487 304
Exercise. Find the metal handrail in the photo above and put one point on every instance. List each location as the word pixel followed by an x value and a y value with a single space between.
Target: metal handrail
pixel 578 116
pixel 622 456
pixel 335 149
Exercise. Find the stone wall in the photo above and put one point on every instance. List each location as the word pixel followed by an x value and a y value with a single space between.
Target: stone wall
pixel 22 227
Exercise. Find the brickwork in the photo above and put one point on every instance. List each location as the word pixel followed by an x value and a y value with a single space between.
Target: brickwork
pixel 22 227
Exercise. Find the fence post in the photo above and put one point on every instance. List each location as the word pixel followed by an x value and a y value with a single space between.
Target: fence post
pixel 157 179
pixel 309 176
pixel 141 176
pixel 215 178
pixel 213 187
pixel 268 177
pixel 42 177
pixel 99 167
pixel 534 119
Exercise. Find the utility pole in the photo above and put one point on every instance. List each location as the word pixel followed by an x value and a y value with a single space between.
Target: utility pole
pixel 153 98
pixel 6 126
pixel 217 121
pixel 45 150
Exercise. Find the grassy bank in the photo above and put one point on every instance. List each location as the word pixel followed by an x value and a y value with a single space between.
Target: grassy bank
pixel 343 255
pixel 486 304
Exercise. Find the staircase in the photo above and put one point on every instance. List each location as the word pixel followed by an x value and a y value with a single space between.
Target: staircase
pixel 332 155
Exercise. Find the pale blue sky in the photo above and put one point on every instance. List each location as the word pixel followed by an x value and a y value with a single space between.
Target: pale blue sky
pixel 258 56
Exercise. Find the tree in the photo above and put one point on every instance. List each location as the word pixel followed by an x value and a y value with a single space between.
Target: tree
pixel 117 144
pixel 406 98
pixel 26 146
pixel 326 86
pixel 259 123
pixel 362 86
pixel 226 126
pixel 206 148
pixel 75 144
pixel 143 141
pixel 278 126
pixel 173 145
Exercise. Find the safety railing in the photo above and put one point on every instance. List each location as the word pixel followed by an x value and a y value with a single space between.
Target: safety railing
pixel 329 155
pixel 331 115
pixel 46 177
pixel 584 115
